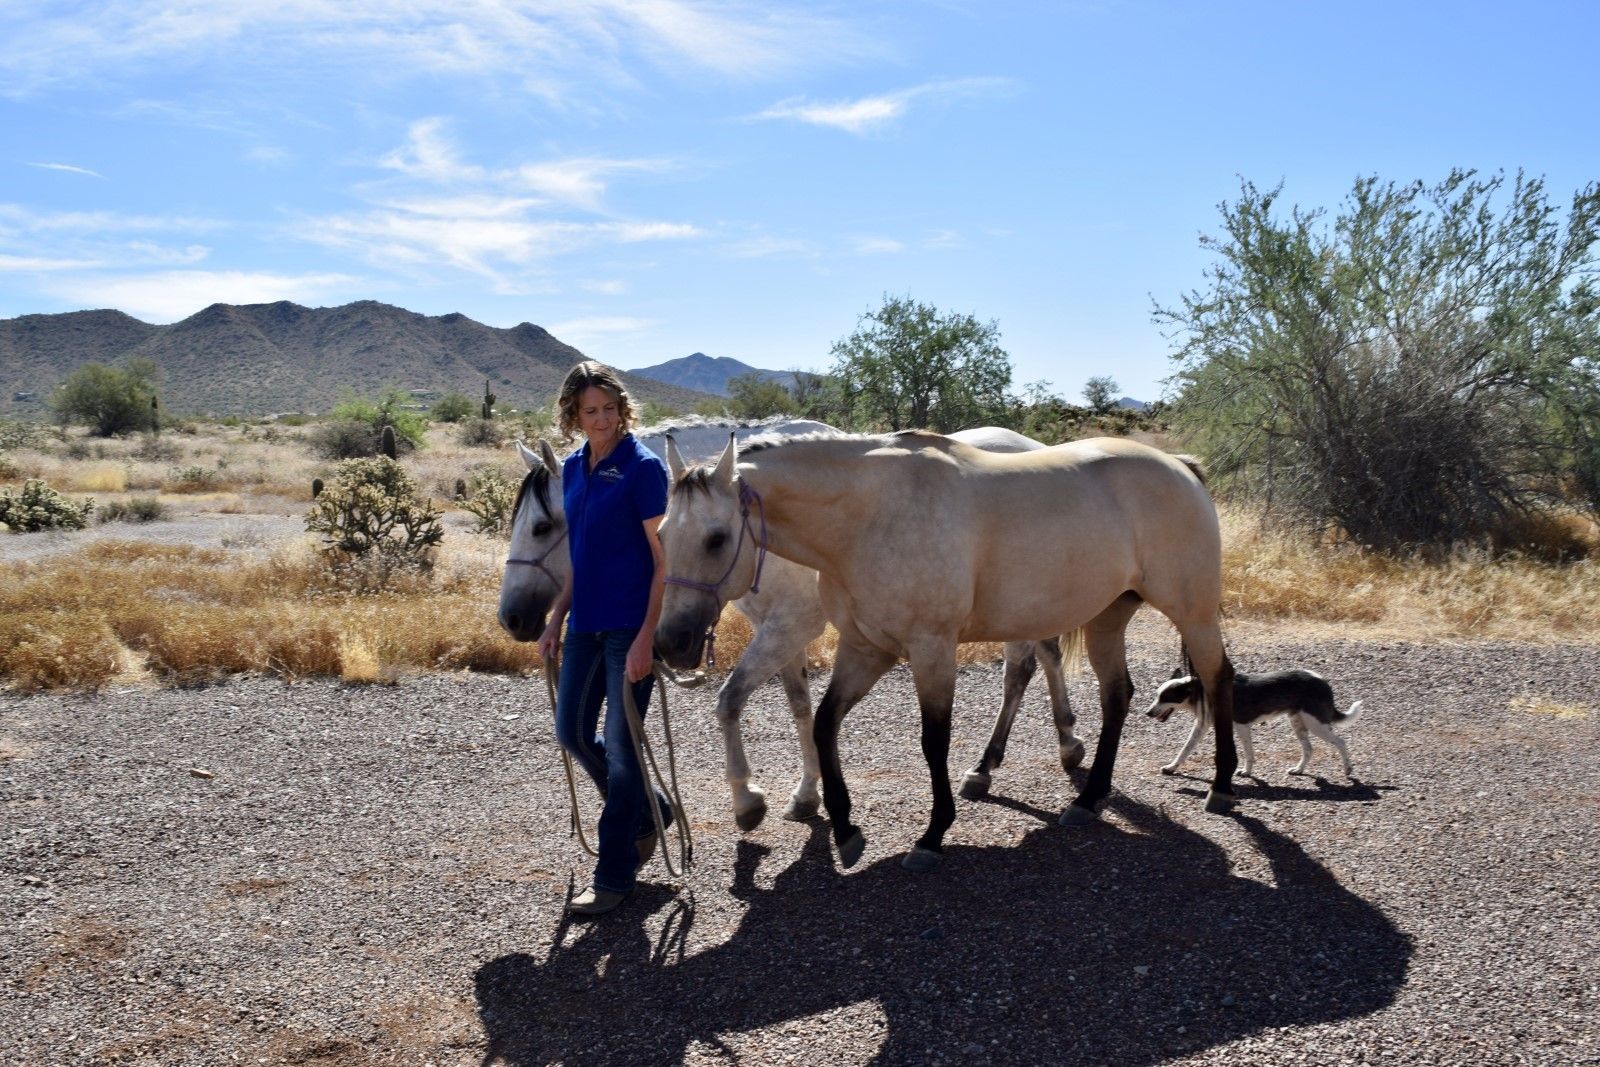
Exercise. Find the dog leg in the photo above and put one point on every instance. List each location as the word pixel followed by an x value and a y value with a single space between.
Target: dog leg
pixel 1324 731
pixel 1241 732
pixel 1195 735
pixel 1298 721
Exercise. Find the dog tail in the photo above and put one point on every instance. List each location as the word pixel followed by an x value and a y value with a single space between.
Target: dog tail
pixel 1352 715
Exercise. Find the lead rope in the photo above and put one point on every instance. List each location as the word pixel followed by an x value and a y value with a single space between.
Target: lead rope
pixel 643 750
pixel 575 828
pixel 644 753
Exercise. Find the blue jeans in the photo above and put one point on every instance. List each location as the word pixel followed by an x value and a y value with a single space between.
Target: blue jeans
pixel 593 670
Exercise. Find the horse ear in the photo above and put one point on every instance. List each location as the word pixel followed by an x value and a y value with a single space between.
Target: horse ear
pixel 529 456
pixel 674 461
pixel 730 457
pixel 548 455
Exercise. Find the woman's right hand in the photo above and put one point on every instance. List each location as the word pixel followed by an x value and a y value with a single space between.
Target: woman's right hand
pixel 550 642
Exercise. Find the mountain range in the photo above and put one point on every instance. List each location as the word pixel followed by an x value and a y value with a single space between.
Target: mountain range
pixel 711 375
pixel 253 359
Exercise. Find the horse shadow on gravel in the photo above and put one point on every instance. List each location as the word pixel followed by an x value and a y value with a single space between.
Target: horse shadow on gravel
pixel 1125 943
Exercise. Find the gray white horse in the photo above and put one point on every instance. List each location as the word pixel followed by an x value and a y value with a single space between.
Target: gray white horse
pixel 785 616
pixel 922 543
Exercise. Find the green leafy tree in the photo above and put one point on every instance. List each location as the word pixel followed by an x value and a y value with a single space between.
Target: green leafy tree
pixel 355 426
pixel 1100 393
pixel 452 407
pixel 1419 370
pixel 755 396
pixel 907 367
pixel 111 401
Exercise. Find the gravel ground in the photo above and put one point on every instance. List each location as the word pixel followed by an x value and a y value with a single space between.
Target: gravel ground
pixel 311 873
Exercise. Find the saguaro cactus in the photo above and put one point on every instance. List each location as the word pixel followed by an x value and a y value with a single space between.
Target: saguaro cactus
pixel 316 488
pixel 389 447
pixel 155 416
pixel 488 401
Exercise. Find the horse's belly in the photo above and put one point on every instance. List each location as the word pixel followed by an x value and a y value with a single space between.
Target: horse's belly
pixel 1037 609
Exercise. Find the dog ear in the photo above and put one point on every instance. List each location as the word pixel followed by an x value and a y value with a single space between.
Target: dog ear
pixel 1176 674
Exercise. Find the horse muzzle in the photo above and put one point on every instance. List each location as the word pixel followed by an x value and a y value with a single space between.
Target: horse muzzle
pixel 521 626
pixel 681 641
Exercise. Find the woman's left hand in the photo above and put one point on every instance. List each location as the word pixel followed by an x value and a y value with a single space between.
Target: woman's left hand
pixel 639 660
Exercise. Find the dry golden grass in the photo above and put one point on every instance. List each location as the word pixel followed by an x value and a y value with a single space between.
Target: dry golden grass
pixel 184 613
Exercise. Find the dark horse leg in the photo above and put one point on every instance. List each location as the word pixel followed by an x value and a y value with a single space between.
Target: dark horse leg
pixel 1203 638
pixel 1021 662
pixel 1105 640
pixel 855 669
pixel 934 668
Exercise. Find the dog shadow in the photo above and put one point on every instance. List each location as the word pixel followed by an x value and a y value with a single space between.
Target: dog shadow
pixel 1297 787
pixel 1129 942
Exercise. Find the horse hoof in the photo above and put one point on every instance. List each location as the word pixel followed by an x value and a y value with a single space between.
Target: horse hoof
pixel 851 848
pixel 1169 769
pixel 921 860
pixel 1072 756
pixel 800 810
pixel 751 817
pixel 1220 803
pixel 1077 815
pixel 974 786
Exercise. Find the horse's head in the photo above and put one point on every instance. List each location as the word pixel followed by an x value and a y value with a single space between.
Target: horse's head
pixel 539 563
pixel 712 541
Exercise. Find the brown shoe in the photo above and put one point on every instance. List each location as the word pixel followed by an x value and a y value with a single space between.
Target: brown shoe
pixel 595 901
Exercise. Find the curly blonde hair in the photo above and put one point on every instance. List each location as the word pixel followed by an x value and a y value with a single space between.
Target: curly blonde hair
pixel 581 377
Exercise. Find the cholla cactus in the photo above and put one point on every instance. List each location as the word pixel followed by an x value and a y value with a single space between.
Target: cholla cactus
pixel 38 507
pixel 372 509
pixel 490 497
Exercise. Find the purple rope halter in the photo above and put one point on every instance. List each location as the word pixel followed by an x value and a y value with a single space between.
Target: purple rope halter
pixel 747 497
pixel 539 563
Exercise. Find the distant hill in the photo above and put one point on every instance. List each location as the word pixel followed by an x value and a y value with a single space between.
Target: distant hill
pixel 1132 404
pixel 253 359
pixel 707 375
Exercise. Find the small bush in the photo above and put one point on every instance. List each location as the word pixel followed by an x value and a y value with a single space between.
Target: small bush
pixel 9 471
pixel 481 433
pixel 36 506
pixel 392 408
pixel 134 509
pixel 372 522
pixel 14 435
pixel 343 439
pixel 156 449
pixel 53 650
pixel 489 498
pixel 193 479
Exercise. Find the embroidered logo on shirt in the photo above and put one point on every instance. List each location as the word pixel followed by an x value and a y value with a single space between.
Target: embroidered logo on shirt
pixel 610 474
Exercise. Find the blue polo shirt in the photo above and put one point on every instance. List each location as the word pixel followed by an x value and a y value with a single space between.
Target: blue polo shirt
pixel 606 509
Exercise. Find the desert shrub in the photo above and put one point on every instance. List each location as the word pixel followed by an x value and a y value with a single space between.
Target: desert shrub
pixel 14 435
pixel 155 449
pixel 355 427
pixel 78 448
pixel 192 479
pixel 489 498
pixel 36 506
pixel 51 650
pixel 372 522
pixel 481 433
pixel 134 509
pixel 452 407
pixel 9 470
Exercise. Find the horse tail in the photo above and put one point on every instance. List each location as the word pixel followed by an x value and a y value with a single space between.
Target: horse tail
pixel 1351 715
pixel 1196 468
pixel 1072 653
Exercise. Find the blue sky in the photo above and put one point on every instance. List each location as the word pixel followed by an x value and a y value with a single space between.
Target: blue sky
pixel 649 179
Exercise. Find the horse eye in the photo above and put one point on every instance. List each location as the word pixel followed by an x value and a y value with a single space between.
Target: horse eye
pixel 715 542
pixel 542 528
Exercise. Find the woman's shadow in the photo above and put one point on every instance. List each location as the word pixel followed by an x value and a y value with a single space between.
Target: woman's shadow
pixel 1131 942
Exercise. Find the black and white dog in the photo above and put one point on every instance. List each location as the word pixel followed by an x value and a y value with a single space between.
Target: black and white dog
pixel 1306 698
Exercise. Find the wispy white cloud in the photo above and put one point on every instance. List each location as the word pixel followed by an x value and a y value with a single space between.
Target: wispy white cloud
pixel 167 296
pixel 604 287
pixel 869 113
pixel 269 155
pixel 565 43
pixel 943 239
pixel 502 224
pixel 69 168
pixel 873 246
pixel 606 326
pixel 20 218
pixel 765 245
pixel 33 264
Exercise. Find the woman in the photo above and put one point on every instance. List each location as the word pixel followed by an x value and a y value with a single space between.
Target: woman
pixel 615 492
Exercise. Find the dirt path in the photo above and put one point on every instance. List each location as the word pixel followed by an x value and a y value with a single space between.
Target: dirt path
pixel 377 876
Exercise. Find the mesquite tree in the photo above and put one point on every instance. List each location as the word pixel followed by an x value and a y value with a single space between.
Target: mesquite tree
pixel 1416 370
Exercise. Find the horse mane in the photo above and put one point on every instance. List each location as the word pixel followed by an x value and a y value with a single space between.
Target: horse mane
pixel 539 480
pixel 1195 466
